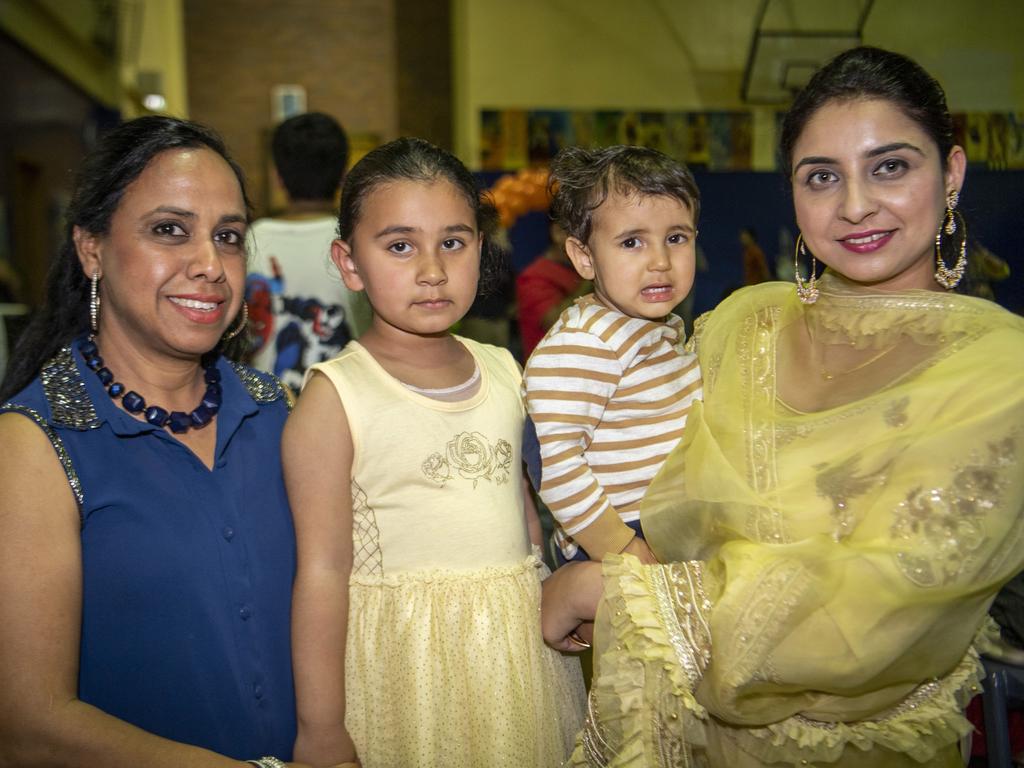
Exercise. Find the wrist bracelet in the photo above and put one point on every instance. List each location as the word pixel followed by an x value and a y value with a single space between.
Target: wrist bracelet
pixel 575 638
pixel 267 762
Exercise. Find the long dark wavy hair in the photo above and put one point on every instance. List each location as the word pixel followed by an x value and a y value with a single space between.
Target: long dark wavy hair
pixel 118 159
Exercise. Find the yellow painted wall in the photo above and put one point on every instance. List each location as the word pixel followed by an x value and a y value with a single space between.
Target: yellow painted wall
pixel 153 39
pixel 59 33
pixel 973 48
pixel 567 54
pixel 690 55
pixel 149 36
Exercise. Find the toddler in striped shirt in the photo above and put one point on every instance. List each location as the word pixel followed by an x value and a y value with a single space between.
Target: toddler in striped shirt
pixel 610 385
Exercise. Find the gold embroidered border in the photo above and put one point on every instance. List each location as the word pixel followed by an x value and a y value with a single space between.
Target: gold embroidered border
pixel 262 387
pixel 682 605
pixel 779 590
pixel 70 404
pixel 756 351
pixel 594 744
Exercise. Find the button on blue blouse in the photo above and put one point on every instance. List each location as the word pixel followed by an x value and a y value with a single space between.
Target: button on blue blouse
pixel 186 571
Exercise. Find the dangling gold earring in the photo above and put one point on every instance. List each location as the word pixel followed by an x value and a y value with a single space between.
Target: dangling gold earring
pixel 241 325
pixel 806 292
pixel 951 200
pixel 946 277
pixel 94 303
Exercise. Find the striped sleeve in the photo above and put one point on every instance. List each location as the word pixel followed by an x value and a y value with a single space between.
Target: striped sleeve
pixel 568 382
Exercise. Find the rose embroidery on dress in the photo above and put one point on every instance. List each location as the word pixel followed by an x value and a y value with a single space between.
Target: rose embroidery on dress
pixel 437 469
pixel 470 456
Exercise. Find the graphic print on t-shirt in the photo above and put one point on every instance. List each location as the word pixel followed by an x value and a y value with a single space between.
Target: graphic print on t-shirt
pixel 302 330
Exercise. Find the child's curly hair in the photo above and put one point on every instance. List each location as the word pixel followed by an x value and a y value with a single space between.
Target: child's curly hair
pixel 581 180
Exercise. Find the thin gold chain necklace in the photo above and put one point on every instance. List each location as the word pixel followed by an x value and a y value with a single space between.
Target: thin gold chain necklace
pixel 826 376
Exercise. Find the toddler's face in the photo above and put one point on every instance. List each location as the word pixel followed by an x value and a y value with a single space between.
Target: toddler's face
pixel 640 254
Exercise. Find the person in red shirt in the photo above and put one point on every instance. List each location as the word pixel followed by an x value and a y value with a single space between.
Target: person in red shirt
pixel 545 288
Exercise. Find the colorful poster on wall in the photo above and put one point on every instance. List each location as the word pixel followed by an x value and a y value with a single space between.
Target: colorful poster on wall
pixel 584 128
pixel 741 146
pixel 718 141
pixel 1015 141
pixel 606 128
pixel 503 139
pixel 512 139
pixel 993 140
pixel 651 130
pixel 549 131
pixel 677 134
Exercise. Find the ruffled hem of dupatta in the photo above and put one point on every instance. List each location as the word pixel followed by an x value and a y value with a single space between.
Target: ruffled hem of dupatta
pixel 636 620
pixel 622 727
pixel 927 721
pixel 629 722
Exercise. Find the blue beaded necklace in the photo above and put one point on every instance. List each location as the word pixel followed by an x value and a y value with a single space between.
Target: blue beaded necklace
pixel 132 401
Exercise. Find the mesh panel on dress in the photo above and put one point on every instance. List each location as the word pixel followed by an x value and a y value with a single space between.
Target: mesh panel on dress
pixel 366 554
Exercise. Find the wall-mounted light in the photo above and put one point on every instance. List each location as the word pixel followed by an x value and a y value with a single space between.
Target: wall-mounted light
pixel 287 101
pixel 151 87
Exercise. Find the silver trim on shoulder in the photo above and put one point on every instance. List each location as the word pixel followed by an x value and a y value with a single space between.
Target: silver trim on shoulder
pixel 263 387
pixel 70 404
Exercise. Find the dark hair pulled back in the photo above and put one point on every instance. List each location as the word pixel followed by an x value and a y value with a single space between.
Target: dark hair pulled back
pixel 871 73
pixel 412 159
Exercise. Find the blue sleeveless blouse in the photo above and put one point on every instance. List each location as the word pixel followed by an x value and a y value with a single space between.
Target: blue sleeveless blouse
pixel 186 571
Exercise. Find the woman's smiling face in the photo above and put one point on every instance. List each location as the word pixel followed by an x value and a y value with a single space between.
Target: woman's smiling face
pixel 870 188
pixel 173 263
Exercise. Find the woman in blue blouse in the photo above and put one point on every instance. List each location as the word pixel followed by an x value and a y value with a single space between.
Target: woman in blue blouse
pixel 146 545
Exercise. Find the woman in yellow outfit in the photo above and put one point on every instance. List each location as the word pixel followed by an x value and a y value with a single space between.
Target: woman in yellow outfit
pixel 848 499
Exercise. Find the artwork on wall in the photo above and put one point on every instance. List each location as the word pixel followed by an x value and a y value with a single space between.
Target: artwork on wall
pixel 993 140
pixel 515 138
pixel 716 141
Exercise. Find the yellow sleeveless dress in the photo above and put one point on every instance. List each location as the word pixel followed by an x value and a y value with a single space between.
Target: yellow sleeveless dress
pixel 445 663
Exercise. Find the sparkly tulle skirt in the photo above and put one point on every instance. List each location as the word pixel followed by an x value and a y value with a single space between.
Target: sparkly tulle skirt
pixel 449 669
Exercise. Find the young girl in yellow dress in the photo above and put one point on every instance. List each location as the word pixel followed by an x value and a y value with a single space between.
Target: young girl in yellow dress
pixel 416 624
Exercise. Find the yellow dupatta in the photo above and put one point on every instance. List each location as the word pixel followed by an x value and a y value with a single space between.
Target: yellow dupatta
pixel 835 522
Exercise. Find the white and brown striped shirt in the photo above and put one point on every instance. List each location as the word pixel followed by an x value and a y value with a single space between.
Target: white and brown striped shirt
pixel 609 395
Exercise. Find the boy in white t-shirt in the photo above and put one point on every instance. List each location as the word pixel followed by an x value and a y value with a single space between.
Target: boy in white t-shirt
pixel 300 312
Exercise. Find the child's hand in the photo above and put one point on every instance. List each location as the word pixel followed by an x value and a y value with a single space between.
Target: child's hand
pixel 638 548
pixel 570 597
